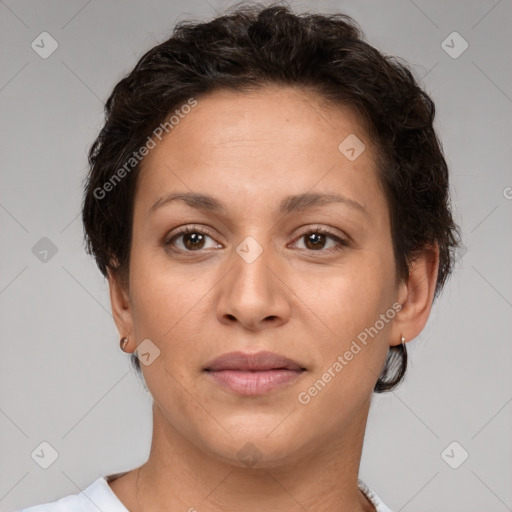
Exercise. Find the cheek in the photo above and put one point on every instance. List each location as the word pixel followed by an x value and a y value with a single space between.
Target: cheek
pixel 168 300
pixel 346 305
pixel 349 354
pixel 349 295
pixel 160 303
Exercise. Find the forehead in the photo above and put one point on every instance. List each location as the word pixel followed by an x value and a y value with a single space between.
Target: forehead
pixel 252 144
pixel 272 116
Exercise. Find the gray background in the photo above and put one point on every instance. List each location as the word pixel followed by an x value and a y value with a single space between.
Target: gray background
pixel 63 378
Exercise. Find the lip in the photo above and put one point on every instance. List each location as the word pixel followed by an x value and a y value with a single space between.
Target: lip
pixel 253 374
pixel 259 361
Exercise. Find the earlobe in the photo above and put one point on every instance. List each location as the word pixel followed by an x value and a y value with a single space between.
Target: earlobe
pixel 120 303
pixel 416 295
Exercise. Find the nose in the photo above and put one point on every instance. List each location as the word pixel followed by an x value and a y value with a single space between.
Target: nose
pixel 252 294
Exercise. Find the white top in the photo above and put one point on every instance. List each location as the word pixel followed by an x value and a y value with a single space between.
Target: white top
pixel 99 496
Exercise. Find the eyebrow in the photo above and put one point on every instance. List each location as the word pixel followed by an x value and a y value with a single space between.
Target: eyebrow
pixel 289 204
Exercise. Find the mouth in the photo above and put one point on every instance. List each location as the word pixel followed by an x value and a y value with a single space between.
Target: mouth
pixel 253 374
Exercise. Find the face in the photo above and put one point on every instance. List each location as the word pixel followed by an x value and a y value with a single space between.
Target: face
pixel 269 269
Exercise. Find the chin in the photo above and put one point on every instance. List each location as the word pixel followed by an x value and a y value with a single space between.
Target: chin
pixel 258 441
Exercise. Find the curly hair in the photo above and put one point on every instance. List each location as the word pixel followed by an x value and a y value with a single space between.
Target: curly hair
pixel 247 48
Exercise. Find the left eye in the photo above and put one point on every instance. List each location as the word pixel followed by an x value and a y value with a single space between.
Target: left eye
pixel 315 240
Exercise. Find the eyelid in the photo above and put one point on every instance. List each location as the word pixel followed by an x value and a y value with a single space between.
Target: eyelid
pixel 183 230
pixel 313 228
pixel 342 239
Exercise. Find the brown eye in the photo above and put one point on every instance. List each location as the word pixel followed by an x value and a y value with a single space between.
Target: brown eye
pixel 189 239
pixel 193 240
pixel 316 240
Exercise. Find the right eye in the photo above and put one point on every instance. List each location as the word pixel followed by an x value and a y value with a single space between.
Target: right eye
pixel 192 239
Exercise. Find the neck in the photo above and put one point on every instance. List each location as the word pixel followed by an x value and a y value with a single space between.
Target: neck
pixel 180 475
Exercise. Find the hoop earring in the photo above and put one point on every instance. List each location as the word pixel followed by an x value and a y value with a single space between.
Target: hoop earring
pixel 122 343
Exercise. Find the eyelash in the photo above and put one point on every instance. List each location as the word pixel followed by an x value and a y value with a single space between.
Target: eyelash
pixel 318 229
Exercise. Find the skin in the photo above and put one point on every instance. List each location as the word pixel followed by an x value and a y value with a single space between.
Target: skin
pixel 249 151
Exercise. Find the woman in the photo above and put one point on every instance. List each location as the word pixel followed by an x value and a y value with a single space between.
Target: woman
pixel 269 202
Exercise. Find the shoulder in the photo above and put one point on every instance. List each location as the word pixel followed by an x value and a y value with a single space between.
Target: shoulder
pixel 97 496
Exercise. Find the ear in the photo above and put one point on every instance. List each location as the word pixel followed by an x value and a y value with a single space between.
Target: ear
pixel 121 306
pixel 416 296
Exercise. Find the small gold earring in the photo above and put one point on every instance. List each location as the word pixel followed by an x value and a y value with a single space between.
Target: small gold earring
pixel 402 340
pixel 123 343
